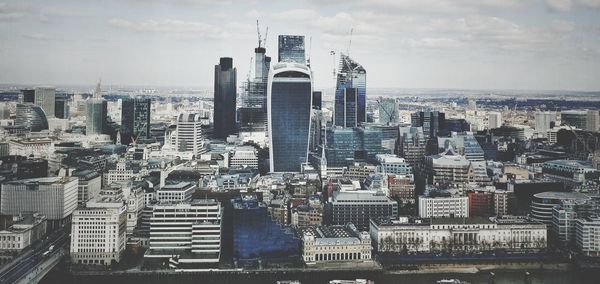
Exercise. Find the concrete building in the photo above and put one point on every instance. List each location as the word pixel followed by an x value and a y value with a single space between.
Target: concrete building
pixel 457 234
pixel 544 121
pixel 574 118
pixel 179 192
pixel 357 207
pixel 402 188
pixel 443 206
pixel 448 168
pixel 494 119
pixel 190 137
pixel 45 97
pixel 98 232
pixel 543 204
pixel 28 228
pixel 412 144
pixel 244 156
pixel 392 164
pixel 571 172
pixel 587 232
pixel 186 234
pixel 90 184
pixel 53 197
pixel 335 244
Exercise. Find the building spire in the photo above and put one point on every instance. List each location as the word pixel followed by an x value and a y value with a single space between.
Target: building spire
pixel 98 91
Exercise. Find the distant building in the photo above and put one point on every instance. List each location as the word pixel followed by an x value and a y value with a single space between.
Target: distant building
pixel 31 117
pixel 96 117
pixel 574 118
pixel 388 111
pixel 431 121
pixel 317 100
pixel 458 234
pixel 335 244
pixel 350 93
pixel 135 120
pixel 190 137
pixel 225 98
pixel 544 121
pixel 291 49
pixel 61 106
pixel 571 172
pixel 593 120
pixel 53 197
pixel 28 229
pixel 289 110
pixel 392 164
pixel 412 144
pixel 45 97
pixel 494 119
pixel 202 218
pixel 448 168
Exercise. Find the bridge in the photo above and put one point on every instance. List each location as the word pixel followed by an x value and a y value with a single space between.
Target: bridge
pixel 32 264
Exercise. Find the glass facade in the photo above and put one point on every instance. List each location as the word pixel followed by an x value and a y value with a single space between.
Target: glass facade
pixel 348 145
pixel 256 236
pixel 289 118
pixel 96 117
pixel 135 119
pixel 350 75
pixel 32 117
pixel 225 98
pixel 291 49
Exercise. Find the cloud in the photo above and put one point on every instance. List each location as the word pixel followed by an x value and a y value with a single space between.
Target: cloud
pixel 37 36
pixel 172 28
pixel 568 5
pixel 428 6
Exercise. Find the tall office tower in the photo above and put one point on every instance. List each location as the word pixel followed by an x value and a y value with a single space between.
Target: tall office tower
pixel 317 100
pixel 544 120
pixel 431 121
pixel 31 117
pixel 494 119
pixel 388 111
pixel 96 117
pixel 225 96
pixel 61 106
pixel 4 110
pixel 45 98
pixel 189 136
pixel 27 96
pixel 291 49
pixel 593 120
pixel 289 106
pixel 252 113
pixel 135 120
pixel 574 118
pixel 350 75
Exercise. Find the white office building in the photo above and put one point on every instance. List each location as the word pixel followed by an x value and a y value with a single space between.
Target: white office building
pixel 189 137
pixel 494 119
pixel 179 192
pixel 451 206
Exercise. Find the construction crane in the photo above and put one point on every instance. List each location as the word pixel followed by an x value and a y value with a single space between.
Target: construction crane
pixel 262 42
pixel 309 51
pixel 332 53
pixel 350 42
pixel 134 137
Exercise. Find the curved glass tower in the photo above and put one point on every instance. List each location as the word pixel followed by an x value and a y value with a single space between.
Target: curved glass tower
pixel 32 117
pixel 289 103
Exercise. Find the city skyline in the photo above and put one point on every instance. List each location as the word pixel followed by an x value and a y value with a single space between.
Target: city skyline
pixel 543 45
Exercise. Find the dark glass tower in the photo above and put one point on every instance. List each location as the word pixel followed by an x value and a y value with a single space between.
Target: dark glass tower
pixel 291 49
pixel 289 106
pixel 317 99
pixel 61 106
pixel 350 75
pixel 96 118
pixel 135 120
pixel 225 96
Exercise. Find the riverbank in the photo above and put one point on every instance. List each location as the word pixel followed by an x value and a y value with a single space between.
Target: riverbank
pixel 474 268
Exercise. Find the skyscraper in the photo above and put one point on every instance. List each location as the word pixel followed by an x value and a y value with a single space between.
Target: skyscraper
pixel 189 133
pixel 289 96
pixel 494 119
pixel 31 116
pixel 45 98
pixel 61 106
pixel 544 120
pixel 388 111
pixel 291 49
pixel 135 119
pixel 225 96
pixel 350 75
pixel 96 117
pixel 28 96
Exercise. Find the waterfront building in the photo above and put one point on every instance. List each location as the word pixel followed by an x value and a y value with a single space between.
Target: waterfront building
pixel 98 231
pixel 443 206
pixel 186 234
pixel 32 117
pixel 586 236
pixel 27 229
pixel 96 117
pixel 190 134
pixel 291 49
pixel 135 120
pixel 289 108
pixel 224 98
pixel 358 206
pixel 258 236
pixel 350 93
pixel 510 233
pixel 335 244
pixel 481 203
pixel 53 197
pixel 564 217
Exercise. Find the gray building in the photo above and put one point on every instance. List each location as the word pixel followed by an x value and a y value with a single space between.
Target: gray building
pixel 96 118
pixel 31 117
pixel 224 98
pixel 135 120
pixel 45 97
pixel 358 207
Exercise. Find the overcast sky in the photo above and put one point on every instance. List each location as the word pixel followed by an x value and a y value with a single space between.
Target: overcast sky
pixel 474 44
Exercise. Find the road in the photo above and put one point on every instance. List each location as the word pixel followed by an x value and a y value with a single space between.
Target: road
pixel 29 259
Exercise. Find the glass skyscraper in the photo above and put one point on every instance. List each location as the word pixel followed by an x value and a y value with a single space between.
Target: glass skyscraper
pixel 31 117
pixel 351 75
pixel 291 49
pixel 225 98
pixel 289 106
pixel 135 120
pixel 96 117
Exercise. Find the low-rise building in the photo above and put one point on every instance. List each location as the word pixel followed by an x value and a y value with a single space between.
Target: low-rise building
pixel 457 234
pixel 335 243
pixel 179 192
pixel 434 206
pixel 586 236
pixel 358 207
pixel 28 228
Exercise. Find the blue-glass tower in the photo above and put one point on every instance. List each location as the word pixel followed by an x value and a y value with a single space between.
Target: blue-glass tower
pixel 224 98
pixel 291 49
pixel 289 96
pixel 351 75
